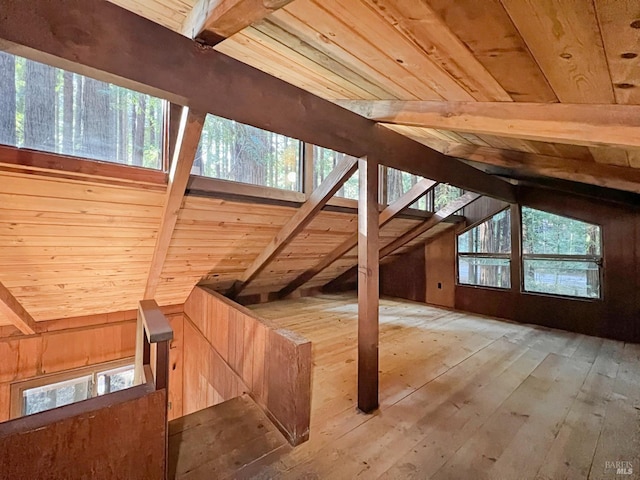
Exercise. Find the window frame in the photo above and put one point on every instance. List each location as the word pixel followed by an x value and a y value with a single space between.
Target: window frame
pixel 597 259
pixel 500 256
pixel 17 389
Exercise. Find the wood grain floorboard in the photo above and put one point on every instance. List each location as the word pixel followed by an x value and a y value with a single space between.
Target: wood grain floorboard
pixel 462 396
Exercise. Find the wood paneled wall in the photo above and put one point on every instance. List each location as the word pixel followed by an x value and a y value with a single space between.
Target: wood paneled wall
pixel 404 277
pixel 230 350
pixel 121 435
pixel 27 357
pixel 616 315
pixel 441 269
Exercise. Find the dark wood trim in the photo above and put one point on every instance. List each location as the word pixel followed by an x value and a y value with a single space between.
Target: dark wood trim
pixel 53 164
pixel 368 287
pixel 109 43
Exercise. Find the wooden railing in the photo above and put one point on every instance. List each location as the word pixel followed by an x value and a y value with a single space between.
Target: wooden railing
pixel 119 435
pixel 153 336
pixel 236 351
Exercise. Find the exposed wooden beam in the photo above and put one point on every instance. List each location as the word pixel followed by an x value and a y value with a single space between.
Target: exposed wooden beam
pixel 12 310
pixel 411 196
pixel 575 124
pixel 593 173
pixel 442 214
pixel 104 41
pixel 191 125
pixel 215 20
pixel 446 211
pixel 368 286
pixel 303 216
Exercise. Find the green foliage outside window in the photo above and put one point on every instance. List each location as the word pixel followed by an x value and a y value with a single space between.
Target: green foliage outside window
pixel 484 253
pixel 399 183
pixel 561 255
pixel 234 151
pixel 49 109
pixel 324 160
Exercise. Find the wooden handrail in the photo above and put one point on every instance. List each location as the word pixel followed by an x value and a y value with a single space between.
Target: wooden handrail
pixel 153 335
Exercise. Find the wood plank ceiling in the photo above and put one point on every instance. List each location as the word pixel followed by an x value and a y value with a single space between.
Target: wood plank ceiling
pixel 543 51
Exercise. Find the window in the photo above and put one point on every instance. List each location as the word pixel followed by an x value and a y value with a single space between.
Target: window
pixel 52 391
pixel 560 255
pixel 234 151
pixel 324 161
pixel 484 253
pixel 443 193
pixel 45 108
pixel 399 183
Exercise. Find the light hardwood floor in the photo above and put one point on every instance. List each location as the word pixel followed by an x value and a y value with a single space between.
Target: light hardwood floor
pixel 462 397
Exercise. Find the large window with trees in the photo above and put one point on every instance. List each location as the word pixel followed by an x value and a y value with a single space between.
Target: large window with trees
pixel 234 151
pixel 49 109
pixel 484 253
pixel 561 256
pixel 324 160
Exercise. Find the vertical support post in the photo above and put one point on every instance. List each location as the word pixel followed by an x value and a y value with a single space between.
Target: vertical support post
pixel 368 290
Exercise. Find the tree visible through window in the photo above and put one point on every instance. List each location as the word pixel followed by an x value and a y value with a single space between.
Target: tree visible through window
pixel 44 393
pixel 325 160
pixel 399 183
pixel 234 151
pixel 484 253
pixel 560 255
pixel 49 109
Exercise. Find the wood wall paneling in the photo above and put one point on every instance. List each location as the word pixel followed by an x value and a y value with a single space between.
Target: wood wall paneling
pixel 614 315
pixel 131 443
pixel 441 269
pixel 228 351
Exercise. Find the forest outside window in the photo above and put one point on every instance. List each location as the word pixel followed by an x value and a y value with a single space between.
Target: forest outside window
pixel 230 150
pixel 52 110
pixel 44 393
pixel 561 256
pixel 324 161
pixel 484 253
pixel 399 183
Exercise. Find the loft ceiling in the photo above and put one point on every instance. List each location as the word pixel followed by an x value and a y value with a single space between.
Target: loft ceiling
pixel 570 52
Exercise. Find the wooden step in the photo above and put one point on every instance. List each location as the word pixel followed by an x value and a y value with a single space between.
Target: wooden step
pixel 223 441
